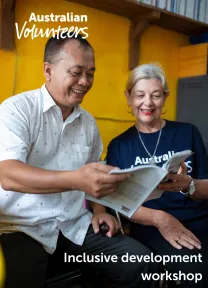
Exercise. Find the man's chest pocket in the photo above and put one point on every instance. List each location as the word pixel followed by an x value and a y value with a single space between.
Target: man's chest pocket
pixel 81 155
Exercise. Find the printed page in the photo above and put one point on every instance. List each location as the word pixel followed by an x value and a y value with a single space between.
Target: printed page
pixel 173 164
pixel 133 192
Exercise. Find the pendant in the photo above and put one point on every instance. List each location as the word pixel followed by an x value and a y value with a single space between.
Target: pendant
pixel 152 161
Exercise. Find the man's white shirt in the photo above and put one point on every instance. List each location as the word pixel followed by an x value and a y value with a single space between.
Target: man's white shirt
pixel 32 131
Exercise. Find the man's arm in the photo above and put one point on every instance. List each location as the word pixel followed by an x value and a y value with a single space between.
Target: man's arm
pixel 20 177
pixel 92 178
pixel 16 175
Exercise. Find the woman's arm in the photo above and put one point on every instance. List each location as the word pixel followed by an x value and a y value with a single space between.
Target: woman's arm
pixel 170 228
pixel 201 192
pixel 181 182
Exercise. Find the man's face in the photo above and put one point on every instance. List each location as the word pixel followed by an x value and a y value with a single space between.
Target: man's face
pixel 71 76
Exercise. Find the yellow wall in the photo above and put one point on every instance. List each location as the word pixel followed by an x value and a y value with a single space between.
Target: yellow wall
pixel 2 272
pixel 110 41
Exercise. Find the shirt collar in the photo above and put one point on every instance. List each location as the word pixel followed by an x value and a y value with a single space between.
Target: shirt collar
pixel 48 102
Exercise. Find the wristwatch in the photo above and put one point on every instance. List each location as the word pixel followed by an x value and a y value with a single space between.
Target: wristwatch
pixel 191 188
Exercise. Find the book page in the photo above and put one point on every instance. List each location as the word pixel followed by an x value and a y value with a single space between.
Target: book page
pixel 173 164
pixel 133 192
pixel 125 200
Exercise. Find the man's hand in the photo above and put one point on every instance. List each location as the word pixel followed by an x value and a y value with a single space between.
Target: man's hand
pixel 101 218
pixel 175 233
pixel 94 179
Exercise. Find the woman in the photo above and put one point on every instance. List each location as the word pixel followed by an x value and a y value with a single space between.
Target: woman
pixel 174 224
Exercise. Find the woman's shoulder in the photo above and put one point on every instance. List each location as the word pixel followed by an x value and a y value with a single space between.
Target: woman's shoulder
pixel 126 135
pixel 181 125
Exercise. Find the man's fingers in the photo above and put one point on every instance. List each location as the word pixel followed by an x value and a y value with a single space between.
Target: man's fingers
pixel 103 168
pixel 117 226
pixel 111 229
pixel 101 221
pixel 114 178
pixel 111 225
pixel 95 225
pixel 107 190
pixel 110 178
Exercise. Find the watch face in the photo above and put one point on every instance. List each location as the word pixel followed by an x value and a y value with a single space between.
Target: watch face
pixel 192 188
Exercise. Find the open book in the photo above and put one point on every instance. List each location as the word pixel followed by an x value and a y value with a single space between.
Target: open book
pixel 141 186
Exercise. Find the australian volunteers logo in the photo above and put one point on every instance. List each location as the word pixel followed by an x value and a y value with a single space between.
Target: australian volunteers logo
pixel 159 159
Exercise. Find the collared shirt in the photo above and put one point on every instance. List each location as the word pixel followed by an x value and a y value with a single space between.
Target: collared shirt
pixel 32 131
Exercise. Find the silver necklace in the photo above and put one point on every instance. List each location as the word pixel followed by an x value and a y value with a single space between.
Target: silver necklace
pixel 152 157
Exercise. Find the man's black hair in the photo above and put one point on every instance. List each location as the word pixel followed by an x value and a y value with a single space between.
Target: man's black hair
pixel 54 44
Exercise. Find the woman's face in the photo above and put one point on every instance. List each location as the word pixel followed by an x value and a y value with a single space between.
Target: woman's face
pixel 147 99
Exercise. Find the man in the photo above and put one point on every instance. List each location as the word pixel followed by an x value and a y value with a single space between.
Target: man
pixel 48 150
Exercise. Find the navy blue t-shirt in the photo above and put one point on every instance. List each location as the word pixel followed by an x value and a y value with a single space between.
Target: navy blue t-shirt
pixel 126 151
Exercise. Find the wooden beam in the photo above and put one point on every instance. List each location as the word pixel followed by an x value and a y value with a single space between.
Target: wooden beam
pixel 7 24
pixel 132 9
pixel 136 30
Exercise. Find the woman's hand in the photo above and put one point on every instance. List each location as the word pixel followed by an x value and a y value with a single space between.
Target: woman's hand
pixel 180 181
pixel 175 233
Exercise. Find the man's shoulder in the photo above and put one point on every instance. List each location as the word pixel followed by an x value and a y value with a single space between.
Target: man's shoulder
pixel 87 116
pixel 30 97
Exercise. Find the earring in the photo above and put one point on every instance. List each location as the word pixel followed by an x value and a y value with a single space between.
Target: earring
pixel 129 109
pixel 165 109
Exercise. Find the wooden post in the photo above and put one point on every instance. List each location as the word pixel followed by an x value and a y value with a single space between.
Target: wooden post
pixel 7 24
pixel 136 30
